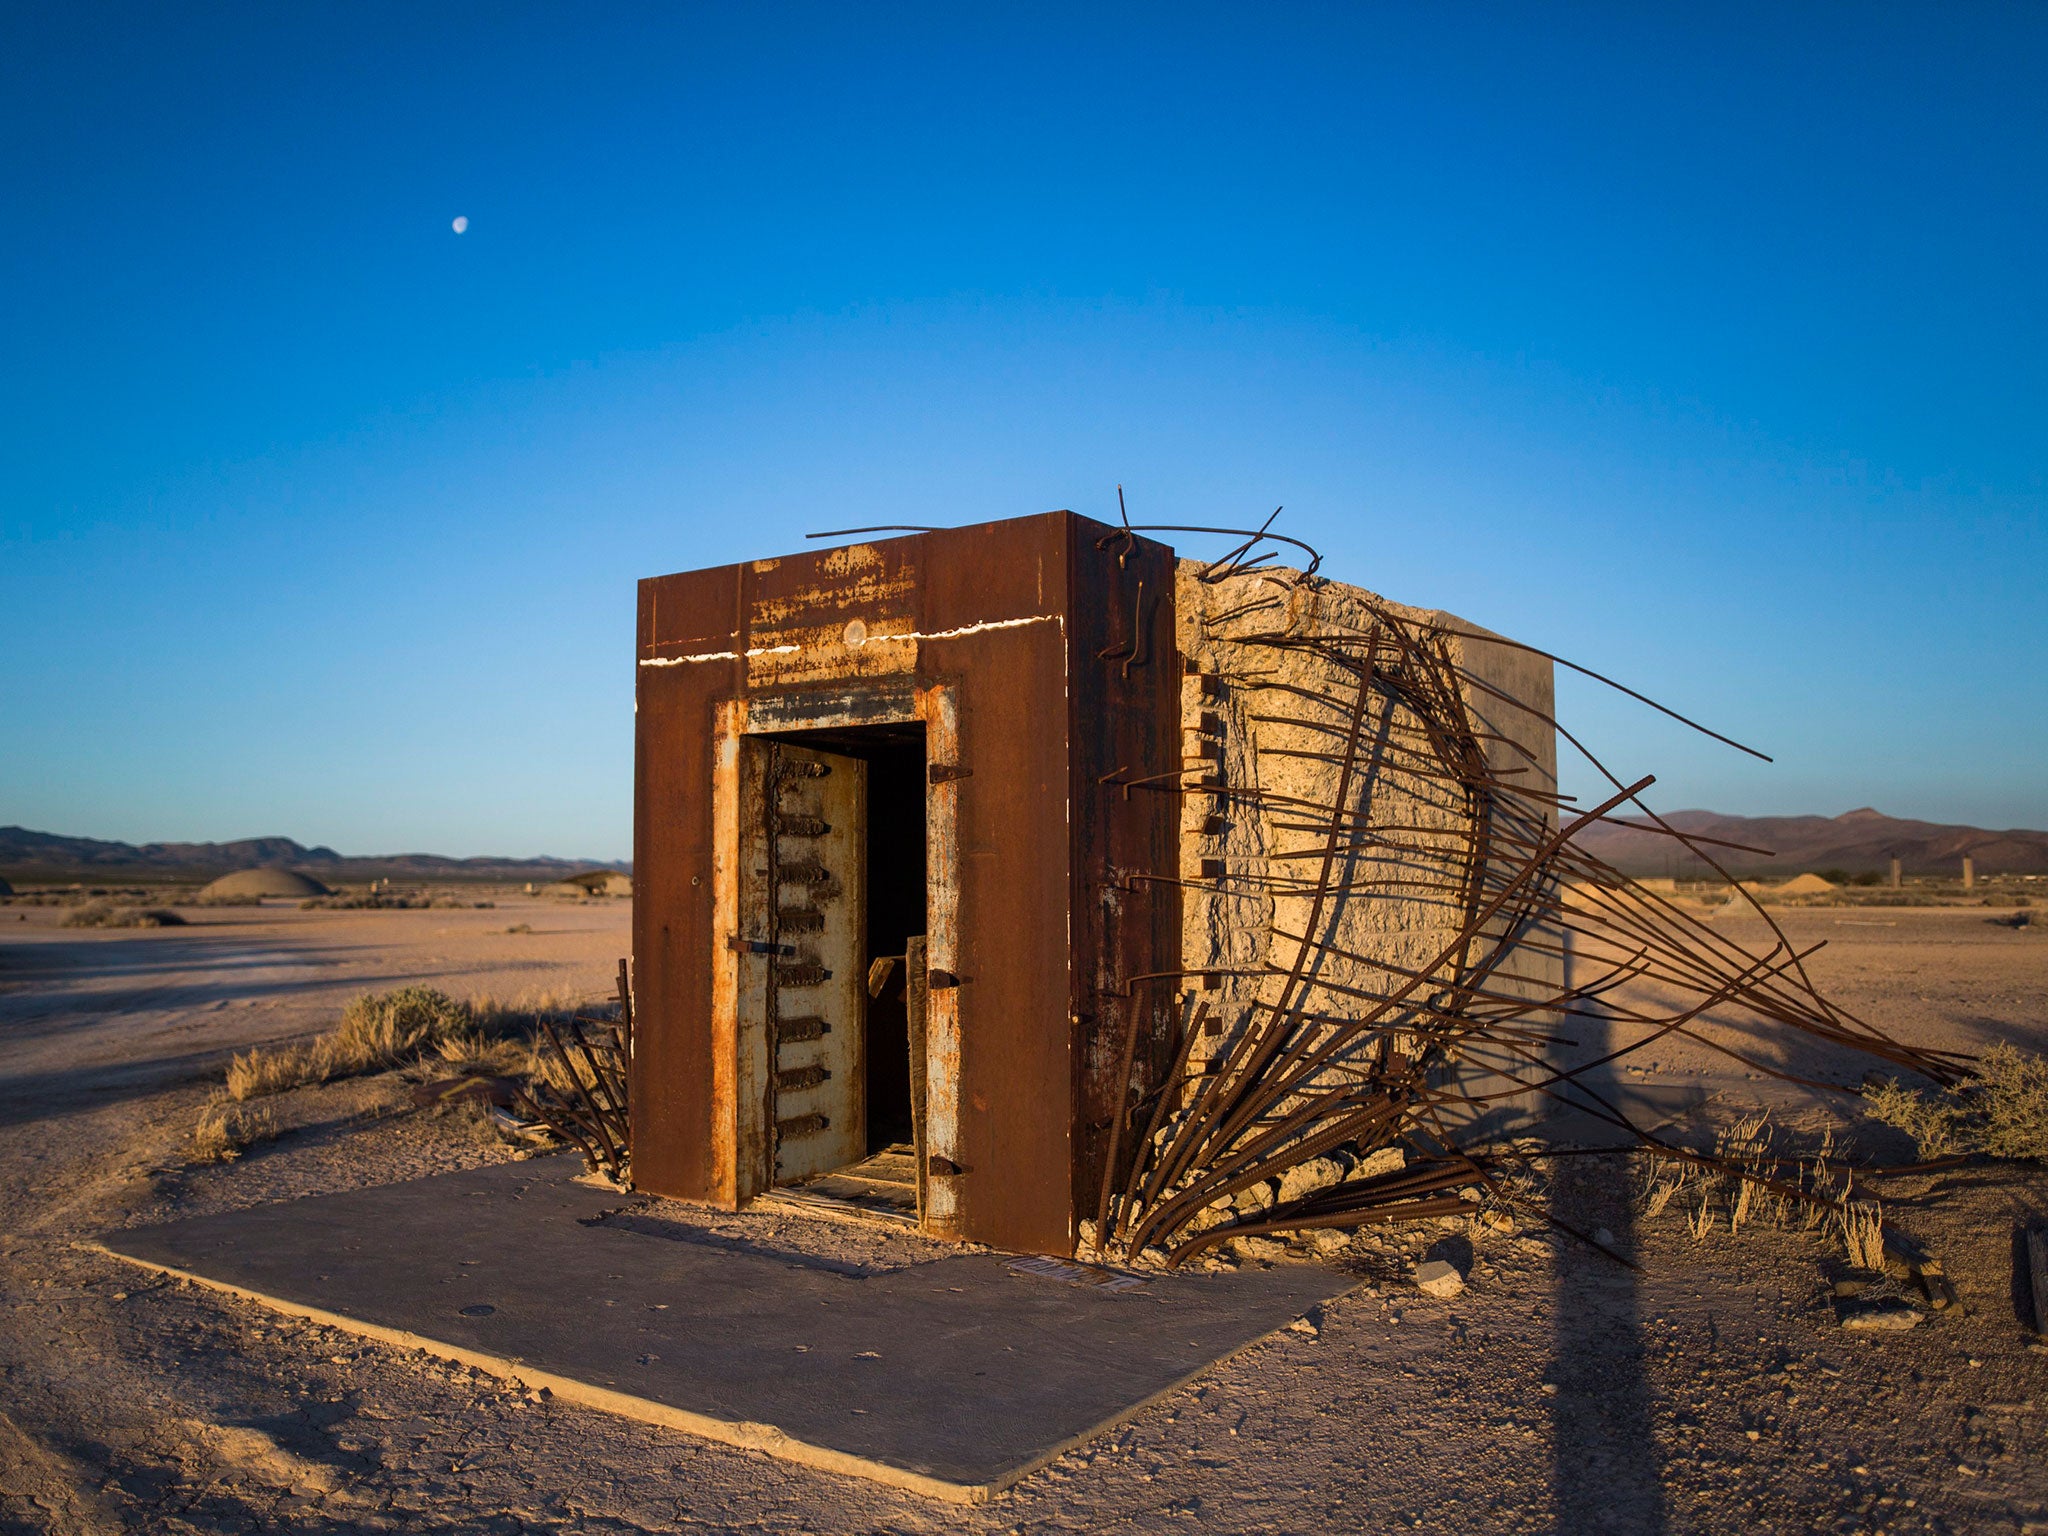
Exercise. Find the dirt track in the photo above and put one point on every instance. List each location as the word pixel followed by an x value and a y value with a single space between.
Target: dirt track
pixel 1710 1392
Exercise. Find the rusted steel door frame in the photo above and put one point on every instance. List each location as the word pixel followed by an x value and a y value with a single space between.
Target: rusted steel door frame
pixel 743 1150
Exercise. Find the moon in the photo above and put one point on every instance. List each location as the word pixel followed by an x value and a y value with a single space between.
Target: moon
pixel 461 223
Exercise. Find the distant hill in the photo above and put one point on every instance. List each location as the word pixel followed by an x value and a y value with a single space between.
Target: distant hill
pixel 46 856
pixel 1860 842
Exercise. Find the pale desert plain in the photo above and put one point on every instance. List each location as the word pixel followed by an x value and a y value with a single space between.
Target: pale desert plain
pixel 1712 1389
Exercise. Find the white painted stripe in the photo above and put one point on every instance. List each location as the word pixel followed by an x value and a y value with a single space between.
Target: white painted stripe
pixel 791 650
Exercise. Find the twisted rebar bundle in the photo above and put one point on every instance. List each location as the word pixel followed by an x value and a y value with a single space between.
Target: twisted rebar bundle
pixel 1347 1035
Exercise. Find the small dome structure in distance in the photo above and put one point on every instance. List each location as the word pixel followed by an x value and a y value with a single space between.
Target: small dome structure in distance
pixel 266 882
pixel 6 889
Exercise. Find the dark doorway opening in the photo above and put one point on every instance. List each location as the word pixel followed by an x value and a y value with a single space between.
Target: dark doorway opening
pixel 896 912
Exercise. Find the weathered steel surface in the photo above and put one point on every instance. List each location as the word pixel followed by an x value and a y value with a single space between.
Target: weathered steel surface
pixel 989 636
pixel 939 1209
pixel 1124 788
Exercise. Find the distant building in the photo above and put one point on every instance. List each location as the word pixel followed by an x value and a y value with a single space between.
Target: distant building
pixel 595 882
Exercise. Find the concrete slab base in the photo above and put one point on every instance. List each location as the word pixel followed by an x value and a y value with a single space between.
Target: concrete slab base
pixel 953 1378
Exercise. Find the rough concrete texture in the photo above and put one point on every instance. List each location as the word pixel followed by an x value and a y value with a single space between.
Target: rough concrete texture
pixel 1271 704
pixel 954 1377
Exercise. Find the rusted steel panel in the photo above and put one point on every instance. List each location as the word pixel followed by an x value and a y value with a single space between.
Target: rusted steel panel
pixel 1013 1132
pixel 833 614
pixel 997 595
pixel 1124 694
pixel 672 853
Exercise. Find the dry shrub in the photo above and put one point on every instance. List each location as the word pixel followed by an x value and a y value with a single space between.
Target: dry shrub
pixel 524 1013
pixel 1701 1222
pixel 479 1054
pixel 108 914
pixel 1861 1224
pixel 2012 1090
pixel 226 1130
pixel 2000 1109
pixel 1659 1195
pixel 484 1037
pixel 1932 1122
pixel 566 1075
pixel 377 1030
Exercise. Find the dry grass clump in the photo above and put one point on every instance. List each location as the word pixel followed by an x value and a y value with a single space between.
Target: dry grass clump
pixel 567 1075
pixel 1769 1184
pixel 2000 1109
pixel 1861 1225
pixel 484 1037
pixel 523 1014
pixel 226 1130
pixel 109 914
pixel 378 1029
pixel 1762 1183
pixel 253 1074
pixel 477 1054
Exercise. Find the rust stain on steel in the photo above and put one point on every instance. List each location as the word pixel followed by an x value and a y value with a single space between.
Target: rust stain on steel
pixel 998 610
pixel 940 710
pixel 834 616
pixel 747 1092
pixel 734 1133
pixel 1125 684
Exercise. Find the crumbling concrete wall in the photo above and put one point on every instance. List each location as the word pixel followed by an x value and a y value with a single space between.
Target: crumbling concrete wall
pixel 1269 720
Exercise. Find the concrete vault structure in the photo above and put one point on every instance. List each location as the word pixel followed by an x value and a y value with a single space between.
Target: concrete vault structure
pixel 939 873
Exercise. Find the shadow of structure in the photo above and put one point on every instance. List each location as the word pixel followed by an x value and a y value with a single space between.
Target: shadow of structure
pixel 1607 1468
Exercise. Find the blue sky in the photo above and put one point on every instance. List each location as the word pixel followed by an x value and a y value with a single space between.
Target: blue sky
pixel 1703 344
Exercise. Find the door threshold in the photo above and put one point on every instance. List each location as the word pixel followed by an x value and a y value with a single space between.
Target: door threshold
pixel 880 1188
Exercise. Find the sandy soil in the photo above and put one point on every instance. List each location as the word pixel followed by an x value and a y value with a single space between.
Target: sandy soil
pixel 1712 1391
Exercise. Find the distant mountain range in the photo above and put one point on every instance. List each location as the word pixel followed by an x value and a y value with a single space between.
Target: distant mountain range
pixel 27 856
pixel 1858 842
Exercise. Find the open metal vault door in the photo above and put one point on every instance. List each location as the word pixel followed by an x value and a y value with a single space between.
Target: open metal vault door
pixel 806 862
pixel 834 1021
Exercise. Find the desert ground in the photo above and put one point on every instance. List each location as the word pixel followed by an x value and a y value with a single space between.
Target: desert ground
pixel 1709 1390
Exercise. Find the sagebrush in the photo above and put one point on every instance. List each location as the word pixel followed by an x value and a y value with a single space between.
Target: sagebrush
pixel 226 1130
pixel 1999 1110
pixel 109 914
